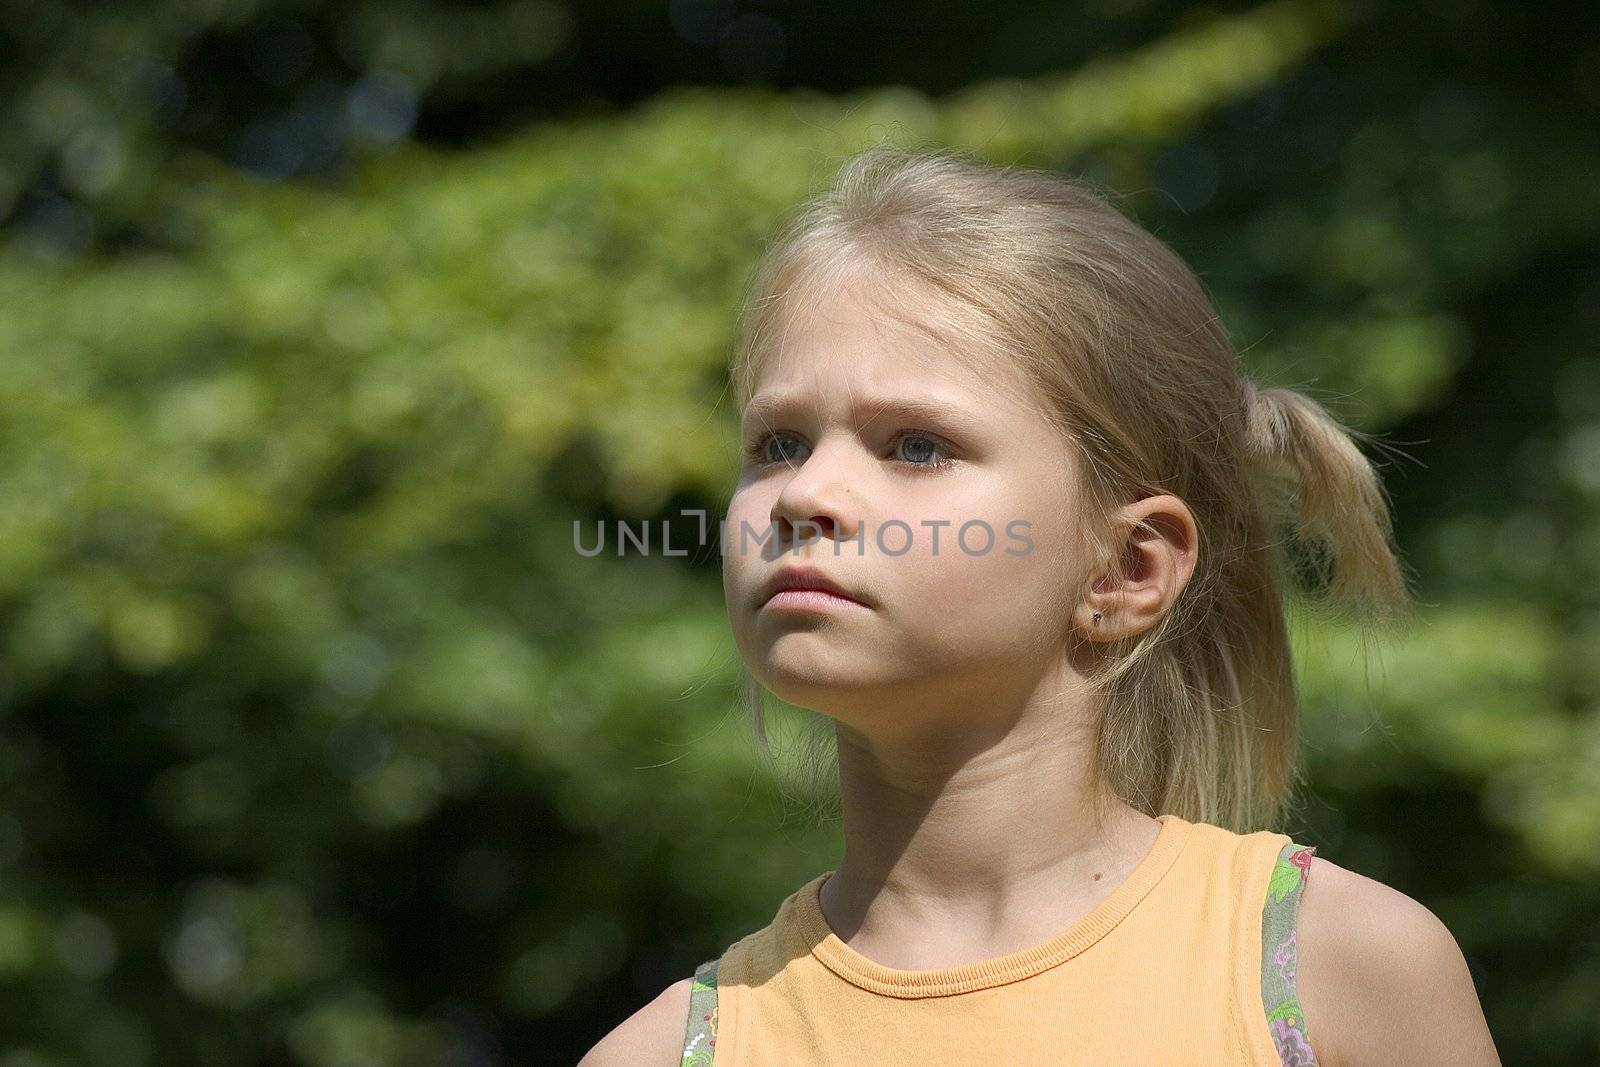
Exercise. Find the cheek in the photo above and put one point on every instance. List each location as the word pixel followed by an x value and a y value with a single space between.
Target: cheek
pixel 741 512
pixel 750 509
pixel 1008 569
pixel 997 583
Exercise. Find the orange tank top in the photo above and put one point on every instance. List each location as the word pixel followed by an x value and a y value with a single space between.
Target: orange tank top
pixel 1190 960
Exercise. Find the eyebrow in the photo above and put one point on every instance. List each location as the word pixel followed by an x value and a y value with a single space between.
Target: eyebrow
pixel 767 408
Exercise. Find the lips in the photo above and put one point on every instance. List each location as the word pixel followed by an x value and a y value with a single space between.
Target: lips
pixel 808 578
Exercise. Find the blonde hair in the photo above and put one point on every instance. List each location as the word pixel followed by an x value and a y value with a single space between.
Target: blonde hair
pixel 1198 714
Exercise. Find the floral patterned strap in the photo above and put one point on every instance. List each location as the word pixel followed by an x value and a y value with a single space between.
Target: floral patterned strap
pixel 1284 1017
pixel 701 1039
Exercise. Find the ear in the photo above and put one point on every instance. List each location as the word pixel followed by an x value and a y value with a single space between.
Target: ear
pixel 1157 560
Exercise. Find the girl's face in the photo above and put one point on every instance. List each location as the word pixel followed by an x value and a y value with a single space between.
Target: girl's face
pixel 867 450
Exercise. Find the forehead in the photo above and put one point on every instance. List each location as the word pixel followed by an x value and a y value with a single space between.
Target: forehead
pixel 852 343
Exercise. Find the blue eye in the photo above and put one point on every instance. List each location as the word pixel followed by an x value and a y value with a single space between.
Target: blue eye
pixel 762 453
pixel 927 452
pixel 931 443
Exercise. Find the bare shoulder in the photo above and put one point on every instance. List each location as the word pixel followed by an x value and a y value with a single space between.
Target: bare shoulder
pixel 653 1035
pixel 1381 979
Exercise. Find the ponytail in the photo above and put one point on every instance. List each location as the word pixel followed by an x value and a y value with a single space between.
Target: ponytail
pixel 1309 471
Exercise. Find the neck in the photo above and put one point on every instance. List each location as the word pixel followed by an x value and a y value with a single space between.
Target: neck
pixel 971 842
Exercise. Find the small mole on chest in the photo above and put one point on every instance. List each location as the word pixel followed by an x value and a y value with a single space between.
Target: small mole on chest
pixel 1097 876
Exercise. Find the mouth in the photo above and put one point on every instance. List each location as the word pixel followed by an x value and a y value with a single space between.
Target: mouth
pixel 809 600
pixel 808 589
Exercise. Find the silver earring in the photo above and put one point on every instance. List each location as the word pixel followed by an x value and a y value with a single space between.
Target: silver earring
pixel 1097 618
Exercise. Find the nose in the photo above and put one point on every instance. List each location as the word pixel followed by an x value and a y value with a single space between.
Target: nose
pixel 818 495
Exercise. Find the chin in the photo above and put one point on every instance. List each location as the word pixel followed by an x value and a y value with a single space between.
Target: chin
pixel 807 683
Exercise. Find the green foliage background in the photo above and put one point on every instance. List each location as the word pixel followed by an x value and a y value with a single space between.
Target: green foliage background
pixel 321 745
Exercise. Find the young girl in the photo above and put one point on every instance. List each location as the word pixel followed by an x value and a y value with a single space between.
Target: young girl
pixel 1007 520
